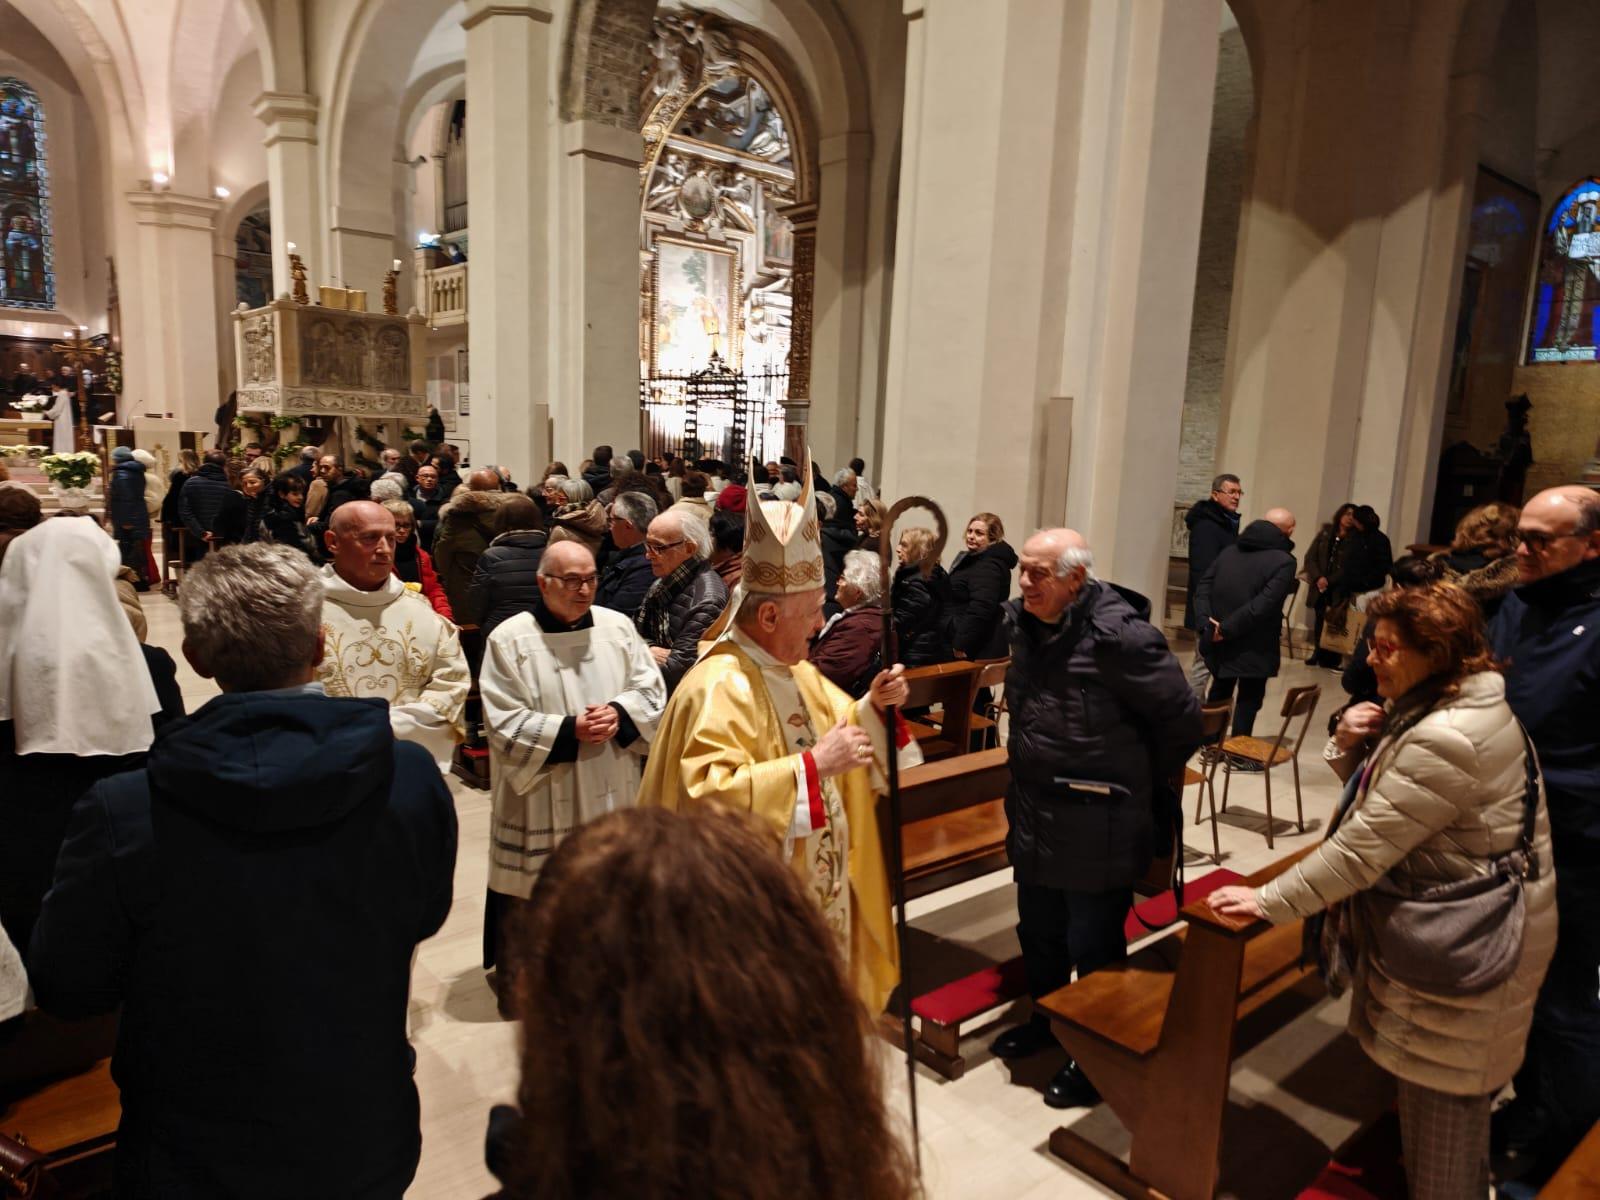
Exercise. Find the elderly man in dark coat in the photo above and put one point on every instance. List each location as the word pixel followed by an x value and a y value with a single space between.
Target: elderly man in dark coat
pixel 1239 605
pixel 1548 633
pixel 1213 527
pixel 1101 719
pixel 211 510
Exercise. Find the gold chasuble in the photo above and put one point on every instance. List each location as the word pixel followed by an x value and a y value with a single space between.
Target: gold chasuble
pixel 720 746
pixel 736 736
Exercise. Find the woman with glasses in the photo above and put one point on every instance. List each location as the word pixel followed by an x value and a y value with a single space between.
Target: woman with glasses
pixel 1441 796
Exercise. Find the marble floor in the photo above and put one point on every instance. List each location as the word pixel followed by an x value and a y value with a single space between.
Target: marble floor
pixel 1295 1094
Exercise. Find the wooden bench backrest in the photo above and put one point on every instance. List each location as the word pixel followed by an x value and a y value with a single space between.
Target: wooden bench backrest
pixel 934 789
pixel 951 685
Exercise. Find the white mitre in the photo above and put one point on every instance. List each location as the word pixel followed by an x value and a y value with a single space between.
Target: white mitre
pixel 783 543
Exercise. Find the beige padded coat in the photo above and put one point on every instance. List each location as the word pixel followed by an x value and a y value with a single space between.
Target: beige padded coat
pixel 1444 798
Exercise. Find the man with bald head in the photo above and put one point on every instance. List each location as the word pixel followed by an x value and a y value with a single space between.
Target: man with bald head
pixel 1238 608
pixel 467 524
pixel 1548 634
pixel 571 697
pixel 1101 719
pixel 383 639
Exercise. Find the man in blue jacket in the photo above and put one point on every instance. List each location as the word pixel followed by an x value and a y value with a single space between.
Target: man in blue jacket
pixel 252 900
pixel 1548 633
pixel 130 519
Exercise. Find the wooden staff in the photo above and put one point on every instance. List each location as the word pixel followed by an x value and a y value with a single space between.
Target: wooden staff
pixel 891 717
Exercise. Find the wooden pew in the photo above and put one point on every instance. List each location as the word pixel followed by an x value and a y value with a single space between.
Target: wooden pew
pixel 1155 1035
pixel 1579 1176
pixel 951 686
pixel 953 821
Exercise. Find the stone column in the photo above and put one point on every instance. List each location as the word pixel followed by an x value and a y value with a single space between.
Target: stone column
pixel 1023 276
pixel 179 282
pixel 802 332
pixel 224 270
pixel 291 141
pixel 599 401
pixel 508 95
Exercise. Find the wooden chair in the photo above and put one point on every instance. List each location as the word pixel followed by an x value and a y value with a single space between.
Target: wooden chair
pixel 986 725
pixel 470 761
pixel 1300 704
pixel 1214 720
pixel 1156 1035
pixel 1288 611
pixel 951 686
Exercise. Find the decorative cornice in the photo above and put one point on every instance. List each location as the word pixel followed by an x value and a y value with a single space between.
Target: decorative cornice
pixel 533 12
pixel 288 116
pixel 170 209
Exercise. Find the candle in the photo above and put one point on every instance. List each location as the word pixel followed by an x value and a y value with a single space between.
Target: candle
pixel 397 264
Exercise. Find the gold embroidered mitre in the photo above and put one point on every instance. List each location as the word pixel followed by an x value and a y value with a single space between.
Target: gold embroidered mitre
pixel 783 543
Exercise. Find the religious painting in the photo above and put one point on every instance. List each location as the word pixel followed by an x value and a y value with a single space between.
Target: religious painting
pixel 1566 300
pixel 777 237
pixel 252 260
pixel 27 277
pixel 694 306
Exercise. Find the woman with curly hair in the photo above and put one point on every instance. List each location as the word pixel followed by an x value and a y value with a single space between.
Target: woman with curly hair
pixel 869 524
pixel 1482 559
pixel 688 1028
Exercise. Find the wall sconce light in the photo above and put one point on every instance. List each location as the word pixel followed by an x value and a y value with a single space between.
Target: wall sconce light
pixel 221 192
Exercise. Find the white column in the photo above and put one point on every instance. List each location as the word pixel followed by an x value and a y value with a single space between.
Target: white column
pixel 599 323
pixel 291 141
pixel 224 271
pixel 179 282
pixel 508 95
pixel 845 164
pixel 1021 275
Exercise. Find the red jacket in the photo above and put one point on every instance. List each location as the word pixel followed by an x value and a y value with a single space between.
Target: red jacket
pixel 431 590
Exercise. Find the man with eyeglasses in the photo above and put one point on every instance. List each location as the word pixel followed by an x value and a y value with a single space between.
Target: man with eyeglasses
pixel 571 698
pixel 382 639
pixel 1548 633
pixel 1213 527
pixel 687 595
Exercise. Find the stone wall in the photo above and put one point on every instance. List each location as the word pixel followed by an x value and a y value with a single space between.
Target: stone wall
pixel 1213 297
pixel 607 49
pixel 1565 421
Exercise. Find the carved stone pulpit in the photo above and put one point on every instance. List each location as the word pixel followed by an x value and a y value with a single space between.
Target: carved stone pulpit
pixel 304 360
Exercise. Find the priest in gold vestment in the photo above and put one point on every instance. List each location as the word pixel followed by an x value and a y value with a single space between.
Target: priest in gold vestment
pixel 755 728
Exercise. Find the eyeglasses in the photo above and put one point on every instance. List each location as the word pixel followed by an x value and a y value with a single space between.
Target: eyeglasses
pixel 1231 492
pixel 575 583
pixel 1538 542
pixel 659 548
pixel 1383 649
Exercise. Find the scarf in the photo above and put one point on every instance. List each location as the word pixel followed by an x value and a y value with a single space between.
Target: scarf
pixel 653 621
pixel 406 563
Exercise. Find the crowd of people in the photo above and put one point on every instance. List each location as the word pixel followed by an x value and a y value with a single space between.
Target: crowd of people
pixel 683 684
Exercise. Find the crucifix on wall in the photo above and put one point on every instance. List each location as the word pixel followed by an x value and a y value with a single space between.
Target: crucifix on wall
pixel 79 352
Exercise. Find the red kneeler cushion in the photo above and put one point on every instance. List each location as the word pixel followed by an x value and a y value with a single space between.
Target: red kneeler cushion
pixel 1003 982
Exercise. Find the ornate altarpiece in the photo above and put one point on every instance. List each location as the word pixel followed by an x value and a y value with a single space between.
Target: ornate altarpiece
pixel 727 220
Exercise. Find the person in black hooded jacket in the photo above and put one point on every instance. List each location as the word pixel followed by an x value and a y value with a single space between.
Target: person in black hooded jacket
pixel 980 581
pixel 919 602
pixel 505 580
pixel 1239 605
pixel 252 900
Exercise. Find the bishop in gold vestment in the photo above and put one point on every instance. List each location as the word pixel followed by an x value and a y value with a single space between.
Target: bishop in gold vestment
pixel 745 732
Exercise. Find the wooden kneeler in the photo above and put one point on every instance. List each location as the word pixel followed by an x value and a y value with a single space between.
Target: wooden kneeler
pixel 1155 1035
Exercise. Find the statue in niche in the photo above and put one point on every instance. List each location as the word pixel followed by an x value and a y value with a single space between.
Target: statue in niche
pixel 355 357
pixel 663 193
pixel 258 352
pixel 324 356
pixel 718 56
pixel 393 352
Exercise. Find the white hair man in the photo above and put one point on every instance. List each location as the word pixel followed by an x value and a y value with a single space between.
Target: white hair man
pixel 687 595
pixel 1095 697
pixel 571 697
pixel 849 648
pixel 628 575
pixel 289 855
pixel 385 640
pixel 755 728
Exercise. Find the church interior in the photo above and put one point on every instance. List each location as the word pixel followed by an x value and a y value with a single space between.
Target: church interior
pixel 1061 261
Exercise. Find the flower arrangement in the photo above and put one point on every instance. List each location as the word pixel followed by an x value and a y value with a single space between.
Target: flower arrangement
pixel 114 371
pixel 28 450
pixel 31 404
pixel 74 470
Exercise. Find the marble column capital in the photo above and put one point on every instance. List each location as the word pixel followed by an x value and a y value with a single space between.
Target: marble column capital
pixel 479 11
pixel 174 210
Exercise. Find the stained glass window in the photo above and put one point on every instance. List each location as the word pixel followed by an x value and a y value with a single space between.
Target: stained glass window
pixel 1566 296
pixel 27 280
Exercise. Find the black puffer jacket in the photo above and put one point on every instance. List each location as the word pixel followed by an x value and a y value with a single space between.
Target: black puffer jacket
pixel 505 581
pixel 209 505
pixel 125 499
pixel 1244 592
pixel 919 607
pixel 1212 529
pixel 1097 698
pixel 979 585
pixel 625 580
pixel 690 612
pixel 285 524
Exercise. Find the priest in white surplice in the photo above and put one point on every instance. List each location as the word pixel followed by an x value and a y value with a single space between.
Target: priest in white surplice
pixel 571 697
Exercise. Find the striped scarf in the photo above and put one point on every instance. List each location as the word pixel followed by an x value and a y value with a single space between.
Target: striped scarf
pixel 653 621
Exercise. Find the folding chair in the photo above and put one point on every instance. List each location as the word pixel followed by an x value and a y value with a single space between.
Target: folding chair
pixel 1214 720
pixel 985 730
pixel 1301 702
pixel 1288 611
